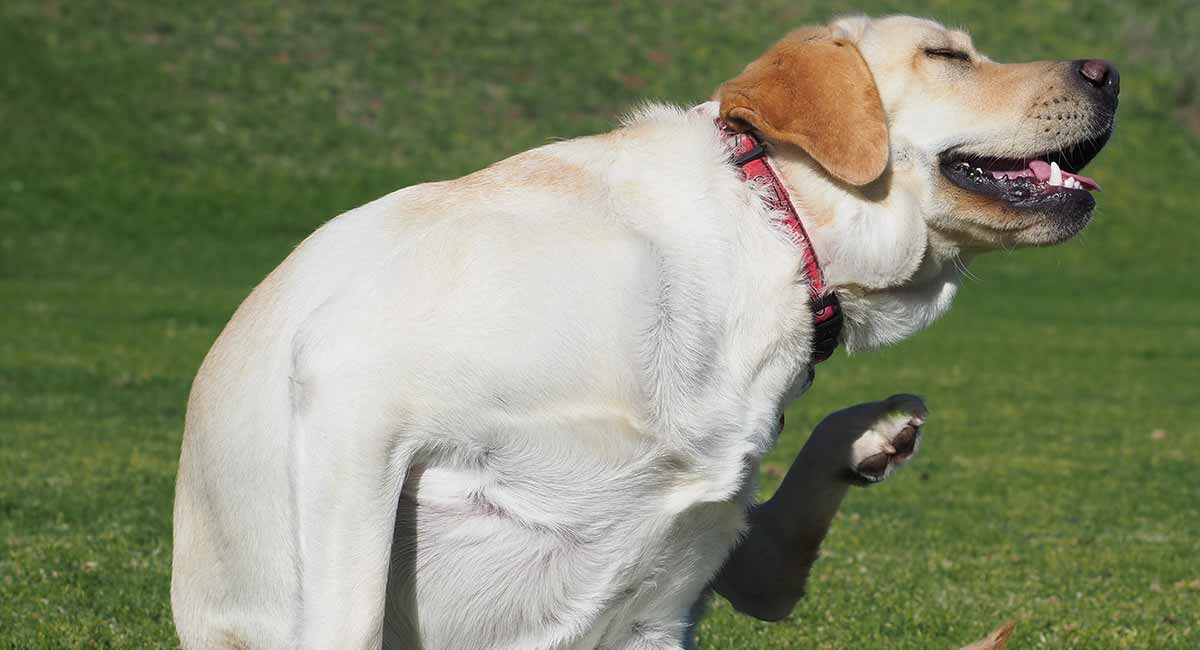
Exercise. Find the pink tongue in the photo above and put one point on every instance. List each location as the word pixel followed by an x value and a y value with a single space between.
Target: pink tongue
pixel 1041 169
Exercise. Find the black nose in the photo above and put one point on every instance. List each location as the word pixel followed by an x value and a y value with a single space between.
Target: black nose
pixel 1102 75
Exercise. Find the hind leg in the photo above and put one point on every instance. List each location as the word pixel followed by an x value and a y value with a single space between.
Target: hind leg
pixel 348 473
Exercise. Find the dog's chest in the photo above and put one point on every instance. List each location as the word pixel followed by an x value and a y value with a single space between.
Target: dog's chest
pixel 620 524
pixel 596 549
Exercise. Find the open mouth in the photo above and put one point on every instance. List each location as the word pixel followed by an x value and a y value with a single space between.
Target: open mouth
pixel 1051 178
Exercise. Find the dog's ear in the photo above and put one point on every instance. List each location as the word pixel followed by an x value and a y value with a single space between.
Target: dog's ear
pixel 813 90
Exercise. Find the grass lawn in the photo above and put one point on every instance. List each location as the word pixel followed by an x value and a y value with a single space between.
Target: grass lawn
pixel 158 158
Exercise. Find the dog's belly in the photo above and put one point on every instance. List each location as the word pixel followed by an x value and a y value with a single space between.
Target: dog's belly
pixel 585 557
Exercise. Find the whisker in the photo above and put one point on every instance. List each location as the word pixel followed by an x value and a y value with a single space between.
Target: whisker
pixel 962 268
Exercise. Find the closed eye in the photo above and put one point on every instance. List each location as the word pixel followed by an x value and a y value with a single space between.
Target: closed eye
pixel 947 53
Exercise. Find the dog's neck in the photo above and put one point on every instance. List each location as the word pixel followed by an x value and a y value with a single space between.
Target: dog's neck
pixel 894 275
pixel 750 157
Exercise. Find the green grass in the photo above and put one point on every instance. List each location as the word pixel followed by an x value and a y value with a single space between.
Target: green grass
pixel 157 159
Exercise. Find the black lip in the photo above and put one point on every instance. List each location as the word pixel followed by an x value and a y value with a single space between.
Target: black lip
pixel 1072 158
pixel 1026 193
pixel 1021 193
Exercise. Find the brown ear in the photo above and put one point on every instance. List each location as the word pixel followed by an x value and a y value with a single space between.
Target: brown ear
pixel 814 90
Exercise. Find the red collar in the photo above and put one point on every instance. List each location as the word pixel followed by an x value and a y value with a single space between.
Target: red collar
pixel 750 157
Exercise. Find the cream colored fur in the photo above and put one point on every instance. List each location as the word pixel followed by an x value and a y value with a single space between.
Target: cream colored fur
pixel 525 408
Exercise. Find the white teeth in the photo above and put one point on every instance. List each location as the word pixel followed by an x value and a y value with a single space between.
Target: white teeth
pixel 1056 177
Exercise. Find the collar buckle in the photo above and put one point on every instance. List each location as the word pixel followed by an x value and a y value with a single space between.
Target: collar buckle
pixel 758 151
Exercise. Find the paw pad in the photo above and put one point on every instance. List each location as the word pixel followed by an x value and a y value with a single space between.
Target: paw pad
pixel 905 441
pixel 889 443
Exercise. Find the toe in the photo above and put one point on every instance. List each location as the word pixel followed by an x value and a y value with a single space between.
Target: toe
pixel 906 440
pixel 875 466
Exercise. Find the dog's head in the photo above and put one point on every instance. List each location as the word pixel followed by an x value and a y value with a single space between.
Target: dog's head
pixel 989 154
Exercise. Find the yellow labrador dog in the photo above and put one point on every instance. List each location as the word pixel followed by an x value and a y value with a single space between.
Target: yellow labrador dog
pixel 525 408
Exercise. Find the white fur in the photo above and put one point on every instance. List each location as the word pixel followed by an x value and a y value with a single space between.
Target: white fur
pixel 541 392
pixel 568 379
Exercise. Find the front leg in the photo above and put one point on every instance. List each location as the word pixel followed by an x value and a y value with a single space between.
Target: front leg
pixel 861 445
